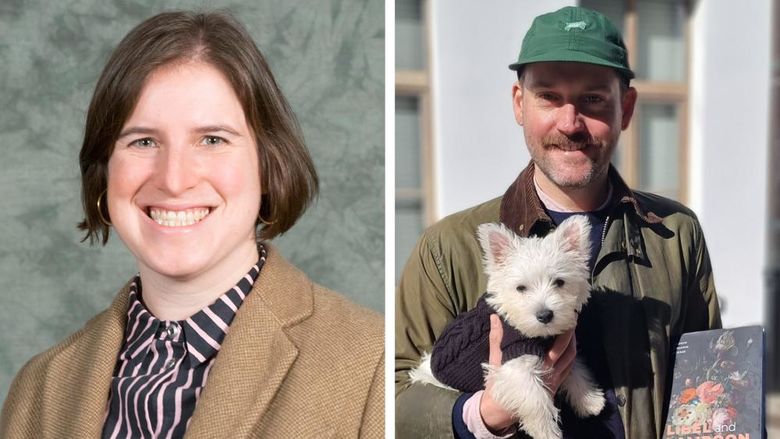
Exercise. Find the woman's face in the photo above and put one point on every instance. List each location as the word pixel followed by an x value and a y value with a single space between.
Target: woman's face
pixel 183 179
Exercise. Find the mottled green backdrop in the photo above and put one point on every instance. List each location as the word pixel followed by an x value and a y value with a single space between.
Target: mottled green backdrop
pixel 327 55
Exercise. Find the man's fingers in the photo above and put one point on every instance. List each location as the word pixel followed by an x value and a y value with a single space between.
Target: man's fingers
pixel 496 334
pixel 565 372
pixel 559 346
pixel 567 358
pixel 561 368
pixel 560 375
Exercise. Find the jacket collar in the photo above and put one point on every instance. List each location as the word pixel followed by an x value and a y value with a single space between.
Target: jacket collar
pixel 142 328
pixel 523 212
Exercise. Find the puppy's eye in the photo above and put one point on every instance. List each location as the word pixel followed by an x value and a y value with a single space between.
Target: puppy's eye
pixel 559 282
pixel 521 288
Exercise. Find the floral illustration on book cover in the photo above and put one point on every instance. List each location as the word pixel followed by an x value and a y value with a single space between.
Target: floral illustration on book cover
pixel 718 385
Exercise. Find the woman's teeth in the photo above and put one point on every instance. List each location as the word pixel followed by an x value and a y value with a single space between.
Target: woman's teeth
pixel 180 218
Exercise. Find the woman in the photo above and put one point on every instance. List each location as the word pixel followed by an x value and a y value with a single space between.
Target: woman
pixel 191 154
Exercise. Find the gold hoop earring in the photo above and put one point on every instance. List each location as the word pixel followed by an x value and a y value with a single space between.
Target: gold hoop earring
pixel 100 211
pixel 267 223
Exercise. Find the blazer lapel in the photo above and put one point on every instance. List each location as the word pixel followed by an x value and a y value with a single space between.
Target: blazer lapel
pixel 256 354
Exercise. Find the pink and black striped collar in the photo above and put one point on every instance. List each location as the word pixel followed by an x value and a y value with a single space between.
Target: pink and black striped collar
pixel 203 332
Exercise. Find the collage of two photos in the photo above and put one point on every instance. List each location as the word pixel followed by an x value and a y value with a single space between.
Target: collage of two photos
pixel 412 219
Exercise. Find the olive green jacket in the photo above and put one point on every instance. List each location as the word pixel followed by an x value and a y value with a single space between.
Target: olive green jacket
pixel 652 281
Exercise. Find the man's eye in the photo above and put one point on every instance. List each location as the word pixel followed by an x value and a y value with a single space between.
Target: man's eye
pixel 547 96
pixel 593 99
pixel 213 140
pixel 146 142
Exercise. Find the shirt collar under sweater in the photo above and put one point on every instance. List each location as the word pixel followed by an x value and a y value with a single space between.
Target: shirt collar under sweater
pixel 523 212
pixel 203 332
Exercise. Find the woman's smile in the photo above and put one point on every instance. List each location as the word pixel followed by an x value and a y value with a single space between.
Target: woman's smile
pixel 177 217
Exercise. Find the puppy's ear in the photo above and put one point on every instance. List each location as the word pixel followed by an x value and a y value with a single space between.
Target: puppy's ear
pixel 574 235
pixel 496 241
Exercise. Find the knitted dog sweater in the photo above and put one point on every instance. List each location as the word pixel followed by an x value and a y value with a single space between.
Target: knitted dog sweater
pixel 460 350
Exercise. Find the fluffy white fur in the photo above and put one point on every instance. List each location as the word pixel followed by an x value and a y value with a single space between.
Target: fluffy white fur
pixel 518 386
pixel 581 391
pixel 422 374
pixel 535 264
pixel 528 278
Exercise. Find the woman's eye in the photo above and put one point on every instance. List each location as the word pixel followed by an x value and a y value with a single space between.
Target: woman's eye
pixel 213 140
pixel 146 142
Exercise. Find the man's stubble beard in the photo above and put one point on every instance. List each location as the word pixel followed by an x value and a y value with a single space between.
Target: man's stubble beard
pixel 558 176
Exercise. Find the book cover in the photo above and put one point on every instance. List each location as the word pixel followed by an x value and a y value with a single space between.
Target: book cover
pixel 718 385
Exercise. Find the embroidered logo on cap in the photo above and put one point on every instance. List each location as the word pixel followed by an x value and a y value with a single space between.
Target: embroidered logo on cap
pixel 575 25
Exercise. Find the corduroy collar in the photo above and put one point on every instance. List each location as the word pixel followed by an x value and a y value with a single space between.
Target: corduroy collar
pixel 523 212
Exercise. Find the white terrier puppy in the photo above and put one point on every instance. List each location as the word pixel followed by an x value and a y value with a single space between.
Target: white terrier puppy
pixel 537 286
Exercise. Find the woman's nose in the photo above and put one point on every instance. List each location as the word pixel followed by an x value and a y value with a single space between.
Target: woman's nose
pixel 176 171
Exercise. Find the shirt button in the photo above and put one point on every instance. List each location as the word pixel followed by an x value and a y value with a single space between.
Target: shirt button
pixel 621 399
pixel 169 364
pixel 172 330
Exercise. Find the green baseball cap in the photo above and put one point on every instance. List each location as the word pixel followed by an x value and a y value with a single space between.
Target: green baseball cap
pixel 577 35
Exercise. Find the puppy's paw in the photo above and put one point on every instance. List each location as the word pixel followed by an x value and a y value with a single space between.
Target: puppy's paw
pixel 519 388
pixel 591 403
pixel 581 391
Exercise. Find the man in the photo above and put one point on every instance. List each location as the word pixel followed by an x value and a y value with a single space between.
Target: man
pixel 651 276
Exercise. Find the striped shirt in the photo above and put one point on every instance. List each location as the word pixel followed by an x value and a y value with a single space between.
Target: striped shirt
pixel 163 365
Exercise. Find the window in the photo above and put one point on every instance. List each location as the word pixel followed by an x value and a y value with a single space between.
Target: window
pixel 652 154
pixel 413 150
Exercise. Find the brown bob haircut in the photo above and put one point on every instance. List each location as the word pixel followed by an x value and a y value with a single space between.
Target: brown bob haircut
pixel 288 178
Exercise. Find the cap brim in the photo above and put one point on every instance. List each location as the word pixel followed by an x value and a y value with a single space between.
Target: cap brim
pixel 570 56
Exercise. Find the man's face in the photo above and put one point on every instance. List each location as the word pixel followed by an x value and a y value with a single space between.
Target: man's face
pixel 572 115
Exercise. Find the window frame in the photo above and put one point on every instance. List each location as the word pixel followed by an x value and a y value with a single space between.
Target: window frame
pixel 417 84
pixel 656 92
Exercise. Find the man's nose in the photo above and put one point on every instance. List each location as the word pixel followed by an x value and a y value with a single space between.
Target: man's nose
pixel 176 170
pixel 569 120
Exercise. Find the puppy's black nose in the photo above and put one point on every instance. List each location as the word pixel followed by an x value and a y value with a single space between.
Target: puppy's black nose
pixel 544 316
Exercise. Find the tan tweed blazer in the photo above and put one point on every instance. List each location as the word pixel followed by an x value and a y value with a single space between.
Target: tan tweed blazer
pixel 299 361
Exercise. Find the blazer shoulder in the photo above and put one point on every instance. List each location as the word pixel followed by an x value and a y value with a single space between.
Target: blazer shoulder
pixel 40 363
pixel 332 308
pixel 38 380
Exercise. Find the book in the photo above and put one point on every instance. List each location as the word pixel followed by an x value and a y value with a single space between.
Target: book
pixel 718 385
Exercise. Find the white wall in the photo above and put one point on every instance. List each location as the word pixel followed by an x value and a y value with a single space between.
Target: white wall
pixel 480 149
pixel 730 147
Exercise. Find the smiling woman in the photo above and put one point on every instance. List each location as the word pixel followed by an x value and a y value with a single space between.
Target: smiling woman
pixel 192 155
pixel 181 155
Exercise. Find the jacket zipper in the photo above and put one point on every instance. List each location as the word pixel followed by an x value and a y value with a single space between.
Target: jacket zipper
pixel 603 238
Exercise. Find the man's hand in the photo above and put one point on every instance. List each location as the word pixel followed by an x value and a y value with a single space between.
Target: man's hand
pixel 493 415
pixel 559 360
